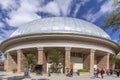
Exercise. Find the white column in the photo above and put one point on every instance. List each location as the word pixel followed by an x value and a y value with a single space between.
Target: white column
pixel 40 55
pixel 107 61
pixel 7 62
pixel 20 62
pixel 67 58
pixel 92 57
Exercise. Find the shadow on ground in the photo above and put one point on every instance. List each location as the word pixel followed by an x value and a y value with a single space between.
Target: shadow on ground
pixel 15 78
pixel 40 79
pixel 21 78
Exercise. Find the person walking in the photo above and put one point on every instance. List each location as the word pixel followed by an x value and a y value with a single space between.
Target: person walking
pixel 26 72
pixel 118 73
pixel 111 71
pixel 102 72
pixel 97 73
pixel 71 72
pixel 107 71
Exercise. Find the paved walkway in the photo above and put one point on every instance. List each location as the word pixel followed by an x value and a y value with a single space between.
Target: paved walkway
pixel 11 76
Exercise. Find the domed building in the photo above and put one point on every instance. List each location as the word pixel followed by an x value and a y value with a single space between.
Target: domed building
pixel 84 45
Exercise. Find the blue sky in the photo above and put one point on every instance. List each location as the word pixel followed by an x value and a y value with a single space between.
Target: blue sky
pixel 14 13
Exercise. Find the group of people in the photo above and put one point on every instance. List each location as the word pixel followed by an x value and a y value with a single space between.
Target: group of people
pixel 108 72
pixel 97 72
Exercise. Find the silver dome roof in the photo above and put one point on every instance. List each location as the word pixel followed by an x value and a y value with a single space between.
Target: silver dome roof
pixel 60 25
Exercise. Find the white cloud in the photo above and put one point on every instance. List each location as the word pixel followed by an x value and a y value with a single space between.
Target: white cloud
pixel 64 6
pixel 5 34
pixel 76 9
pixel 1 25
pixel 52 7
pixel 7 4
pixel 78 5
pixel 20 17
pixel 25 13
pixel 105 8
pixel 27 10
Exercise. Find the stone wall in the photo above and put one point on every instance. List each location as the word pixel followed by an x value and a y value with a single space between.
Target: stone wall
pixel 86 61
pixel 103 62
pixel 11 63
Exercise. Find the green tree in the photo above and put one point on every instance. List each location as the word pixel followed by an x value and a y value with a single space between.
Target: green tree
pixel 30 61
pixel 117 62
pixel 56 59
pixel 116 2
pixel 112 20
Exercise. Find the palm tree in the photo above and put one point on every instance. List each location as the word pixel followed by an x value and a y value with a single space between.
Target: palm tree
pixel 30 61
pixel 56 59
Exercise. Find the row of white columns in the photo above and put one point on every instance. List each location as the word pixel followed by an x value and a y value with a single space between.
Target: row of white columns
pixel 41 60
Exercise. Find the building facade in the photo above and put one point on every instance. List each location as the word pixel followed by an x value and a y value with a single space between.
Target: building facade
pixel 84 45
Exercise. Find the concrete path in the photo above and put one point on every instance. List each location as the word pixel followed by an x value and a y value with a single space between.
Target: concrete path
pixel 11 76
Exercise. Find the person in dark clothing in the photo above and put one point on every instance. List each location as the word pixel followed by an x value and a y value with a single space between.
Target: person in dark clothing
pixel 102 72
pixel 97 73
pixel 26 72
pixel 49 72
pixel 71 72
pixel 111 71
pixel 107 71
pixel 118 73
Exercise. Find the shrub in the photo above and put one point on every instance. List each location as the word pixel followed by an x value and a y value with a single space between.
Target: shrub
pixel 1 68
pixel 82 70
pixel 14 70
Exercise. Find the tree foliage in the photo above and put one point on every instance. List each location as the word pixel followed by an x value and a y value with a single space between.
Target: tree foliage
pixel 112 20
pixel 117 62
pixel 30 61
pixel 56 59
